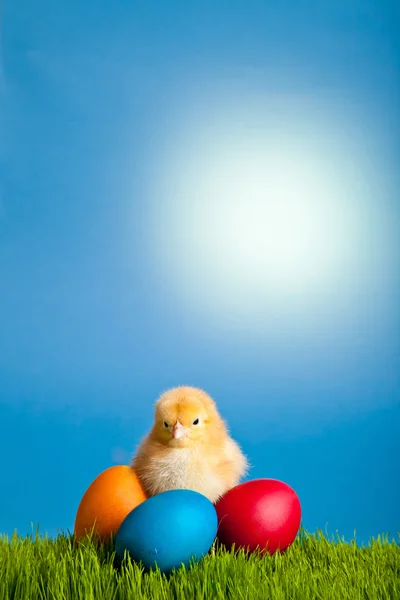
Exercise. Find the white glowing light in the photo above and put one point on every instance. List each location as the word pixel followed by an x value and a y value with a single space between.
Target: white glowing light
pixel 266 221
pixel 258 218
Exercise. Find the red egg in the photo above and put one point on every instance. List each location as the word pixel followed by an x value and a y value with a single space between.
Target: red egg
pixel 262 514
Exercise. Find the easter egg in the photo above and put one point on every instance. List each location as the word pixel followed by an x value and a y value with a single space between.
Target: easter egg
pixel 262 514
pixel 168 530
pixel 107 501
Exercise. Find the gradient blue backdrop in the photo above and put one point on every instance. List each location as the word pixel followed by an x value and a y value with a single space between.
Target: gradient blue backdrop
pixel 88 339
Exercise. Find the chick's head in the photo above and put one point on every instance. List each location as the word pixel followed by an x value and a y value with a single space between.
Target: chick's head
pixel 185 416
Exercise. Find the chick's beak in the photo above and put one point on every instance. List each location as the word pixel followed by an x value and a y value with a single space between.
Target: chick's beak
pixel 178 431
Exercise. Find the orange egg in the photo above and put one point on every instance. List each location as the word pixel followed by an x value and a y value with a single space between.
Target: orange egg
pixel 107 501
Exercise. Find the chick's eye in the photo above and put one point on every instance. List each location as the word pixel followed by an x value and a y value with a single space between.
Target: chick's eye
pixel 196 422
pixel 166 424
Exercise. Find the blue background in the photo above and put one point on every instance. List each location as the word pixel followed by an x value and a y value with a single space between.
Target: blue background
pixel 89 336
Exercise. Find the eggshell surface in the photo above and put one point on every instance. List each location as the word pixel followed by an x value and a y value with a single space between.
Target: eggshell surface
pixel 107 501
pixel 261 513
pixel 168 530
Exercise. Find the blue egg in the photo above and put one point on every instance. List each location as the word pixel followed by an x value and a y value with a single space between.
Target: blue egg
pixel 168 530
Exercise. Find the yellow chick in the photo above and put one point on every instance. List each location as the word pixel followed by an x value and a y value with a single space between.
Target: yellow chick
pixel 189 447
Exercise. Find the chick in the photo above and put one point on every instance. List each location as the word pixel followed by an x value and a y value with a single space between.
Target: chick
pixel 189 447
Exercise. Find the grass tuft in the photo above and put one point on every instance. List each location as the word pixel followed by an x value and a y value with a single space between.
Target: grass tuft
pixel 37 567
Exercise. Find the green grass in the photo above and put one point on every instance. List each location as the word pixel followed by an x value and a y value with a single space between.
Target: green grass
pixel 312 568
